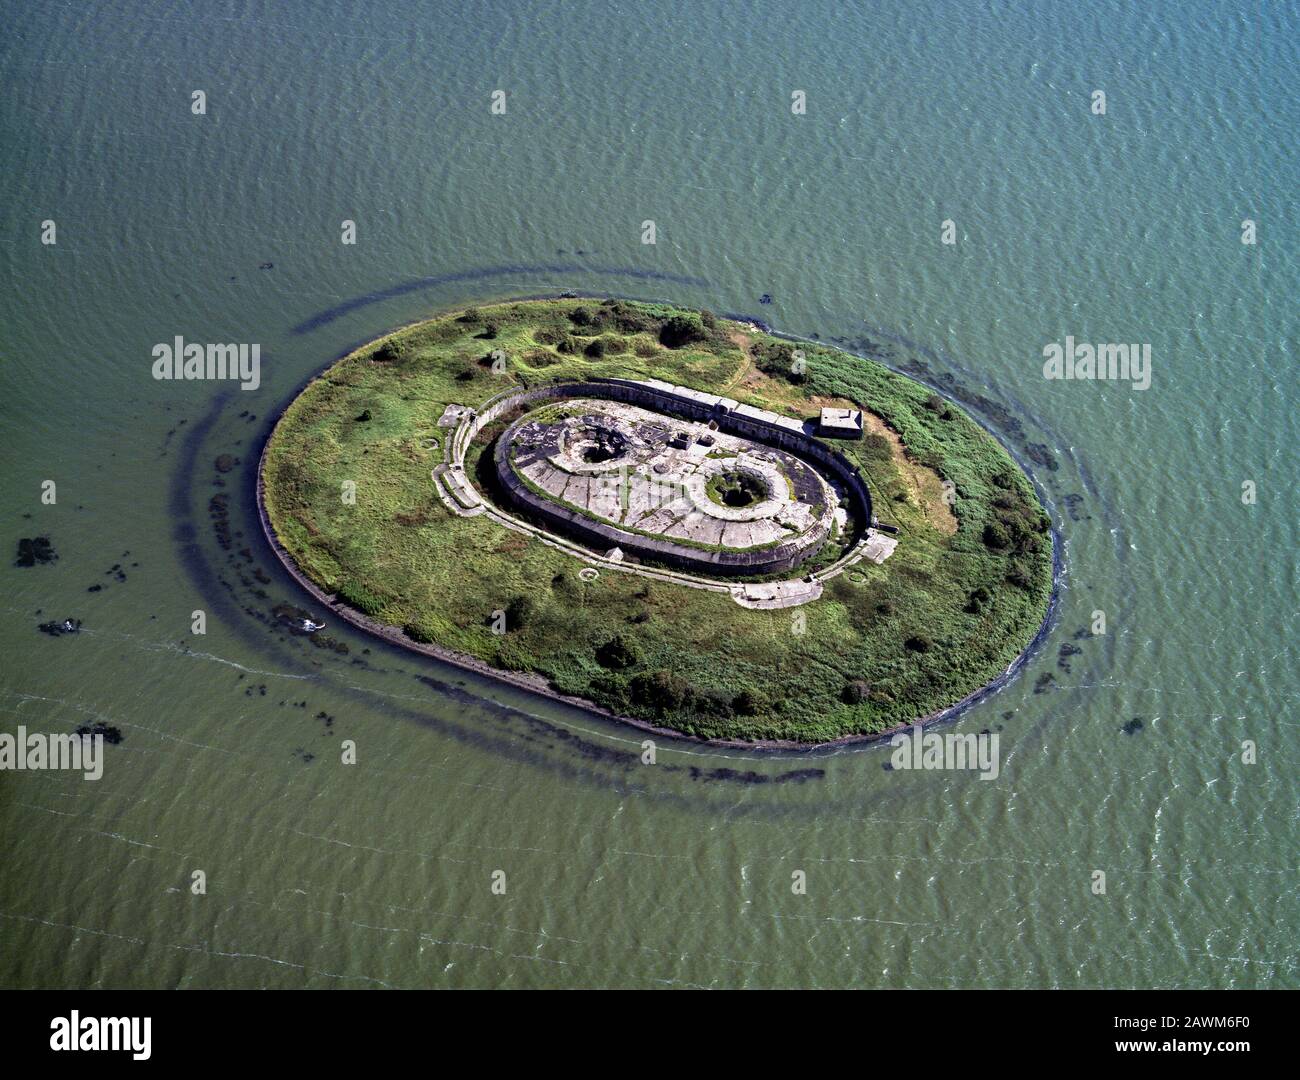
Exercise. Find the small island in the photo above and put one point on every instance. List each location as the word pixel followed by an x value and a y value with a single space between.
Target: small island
pixel 669 517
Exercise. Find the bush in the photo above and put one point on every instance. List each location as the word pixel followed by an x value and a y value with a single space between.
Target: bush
pixel 937 405
pixel 996 536
pixel 855 692
pixel 714 703
pixel 682 330
pixel 1021 574
pixel 747 703
pixel 918 643
pixel 581 316
pixel 390 352
pixel 777 359
pixel 979 601
pixel 617 654
pixel 661 690
pixel 471 315
pixel 519 612
pixel 596 348
pixel 645 349
pixel 630 318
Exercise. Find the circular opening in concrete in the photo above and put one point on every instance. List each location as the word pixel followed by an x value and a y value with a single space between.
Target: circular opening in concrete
pixel 592 445
pixel 736 488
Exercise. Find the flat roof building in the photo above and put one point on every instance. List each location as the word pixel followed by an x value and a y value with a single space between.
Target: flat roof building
pixel 840 424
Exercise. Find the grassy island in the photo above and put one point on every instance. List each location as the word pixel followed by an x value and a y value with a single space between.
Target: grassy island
pixel 881 644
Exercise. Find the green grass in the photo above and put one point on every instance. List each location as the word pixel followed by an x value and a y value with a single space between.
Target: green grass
pixel 702 664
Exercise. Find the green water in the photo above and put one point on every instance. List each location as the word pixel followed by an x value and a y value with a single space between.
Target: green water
pixel 1123 227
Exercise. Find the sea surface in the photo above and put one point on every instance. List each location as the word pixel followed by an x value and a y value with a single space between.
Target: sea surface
pixel 1122 227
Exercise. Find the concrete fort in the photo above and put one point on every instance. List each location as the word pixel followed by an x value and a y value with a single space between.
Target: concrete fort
pixel 670 474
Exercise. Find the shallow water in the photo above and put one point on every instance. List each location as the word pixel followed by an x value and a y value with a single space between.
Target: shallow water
pixel 1117 228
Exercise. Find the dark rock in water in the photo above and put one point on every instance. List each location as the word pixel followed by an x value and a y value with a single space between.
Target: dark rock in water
pixel 1044 682
pixel 112 735
pixel 1133 726
pixel 33 550
pixel 266 266
pixel 1041 454
pixel 766 298
pixel 1063 656
pixel 95 588
pixel 297 619
pixel 58 629
pixel 225 462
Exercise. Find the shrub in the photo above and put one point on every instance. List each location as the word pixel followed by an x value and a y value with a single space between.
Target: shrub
pixel 996 536
pixel 661 690
pixel 471 315
pixel 918 643
pixel 645 349
pixel 714 703
pixel 855 692
pixel 596 348
pixel 519 612
pixel 617 654
pixel 630 318
pixel 777 359
pixel 581 316
pixel 390 352
pixel 1021 574
pixel 979 601
pixel 747 703
pixel 682 330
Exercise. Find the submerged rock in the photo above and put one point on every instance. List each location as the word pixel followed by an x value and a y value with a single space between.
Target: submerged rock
pixel 112 735
pixel 297 618
pixel 1133 726
pixel 35 549
pixel 58 629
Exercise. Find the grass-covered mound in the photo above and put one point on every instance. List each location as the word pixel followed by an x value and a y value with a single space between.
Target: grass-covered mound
pixel 961 597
